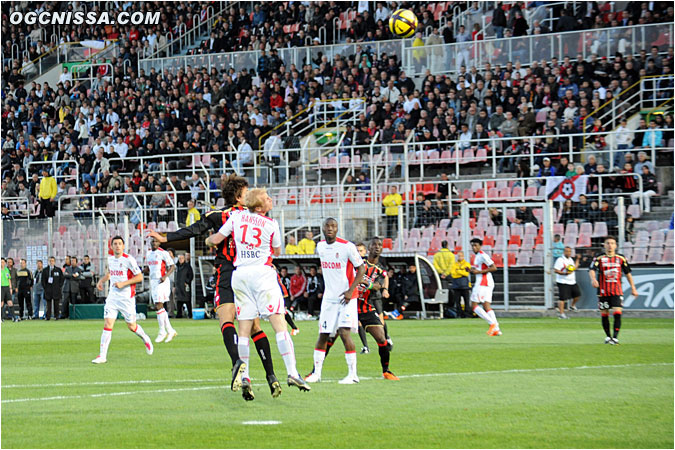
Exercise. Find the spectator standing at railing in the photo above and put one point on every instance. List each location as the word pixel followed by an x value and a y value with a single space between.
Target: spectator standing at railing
pixel 192 214
pixel 392 202
pixel 157 202
pixel 499 20
pixel 307 246
pixel 649 189
pixel 291 247
pixel 47 194
pixel 653 136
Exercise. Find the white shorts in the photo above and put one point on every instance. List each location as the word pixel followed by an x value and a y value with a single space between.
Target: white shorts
pixel 256 292
pixel 335 315
pixel 160 292
pixel 482 294
pixel 126 307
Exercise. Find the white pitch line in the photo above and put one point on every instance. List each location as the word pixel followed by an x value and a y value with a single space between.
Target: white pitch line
pixel 424 375
pixel 106 383
pixel 261 422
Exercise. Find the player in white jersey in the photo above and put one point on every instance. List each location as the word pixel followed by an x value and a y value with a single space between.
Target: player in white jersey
pixel 161 266
pixel 343 269
pixel 481 295
pixel 256 290
pixel 124 274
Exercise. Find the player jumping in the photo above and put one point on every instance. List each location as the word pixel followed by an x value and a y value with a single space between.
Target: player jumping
pixel 234 193
pixel 609 266
pixel 343 271
pixel 124 274
pixel 258 239
pixel 483 287
pixel 158 260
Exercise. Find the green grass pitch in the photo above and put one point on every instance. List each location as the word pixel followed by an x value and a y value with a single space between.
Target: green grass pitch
pixel 544 383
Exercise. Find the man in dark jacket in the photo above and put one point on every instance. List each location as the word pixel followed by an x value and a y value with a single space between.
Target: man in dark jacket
pixel 24 281
pixel 411 290
pixel 38 290
pixel 184 277
pixel 86 281
pixel 314 291
pixel 524 215
pixel 52 281
pixel 72 275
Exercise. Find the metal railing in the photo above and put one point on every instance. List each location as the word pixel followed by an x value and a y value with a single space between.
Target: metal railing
pixel 443 58
pixel 67 52
pixel 58 167
pixel 185 38
pixel 646 92
pixel 448 154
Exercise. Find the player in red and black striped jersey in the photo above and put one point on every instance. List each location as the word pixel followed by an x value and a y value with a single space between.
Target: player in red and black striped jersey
pixel 374 280
pixel 609 267
pixel 289 318
pixel 234 193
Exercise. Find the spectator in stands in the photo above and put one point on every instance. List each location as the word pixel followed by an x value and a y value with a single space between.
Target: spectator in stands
pixel 582 210
pixel 363 182
pixel 47 194
pixel 624 141
pixel 391 203
pixel 298 286
pixel 649 189
pixel 291 247
pixel 643 161
pixel 524 215
pixel 547 170
pixel 499 20
pixel 157 201
pixel 568 215
pixel 307 246
pixel 629 183
pixel 608 215
pixel 192 214
pixel 653 137
pixel 558 247
pixel 591 165
pixel 244 155
pixel 420 211
pixel 495 217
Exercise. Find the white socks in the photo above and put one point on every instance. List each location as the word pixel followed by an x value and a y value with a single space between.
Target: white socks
pixel 140 333
pixel 161 315
pixel 351 363
pixel 105 342
pixel 244 354
pixel 319 356
pixel 164 324
pixel 287 351
pixel 491 313
pixel 483 315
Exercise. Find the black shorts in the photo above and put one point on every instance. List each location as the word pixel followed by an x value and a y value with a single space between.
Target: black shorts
pixel 224 293
pixel 609 302
pixel 568 291
pixel 370 319
pixel 6 294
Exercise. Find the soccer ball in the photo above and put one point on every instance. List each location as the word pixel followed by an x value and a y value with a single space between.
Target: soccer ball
pixel 403 23
pixel 571 268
